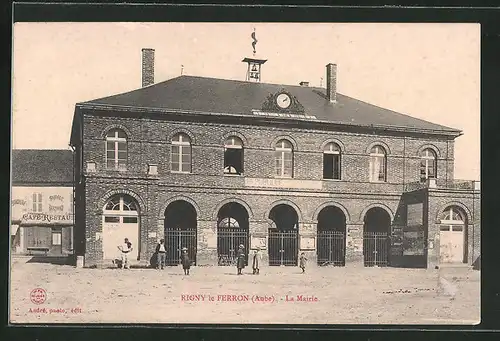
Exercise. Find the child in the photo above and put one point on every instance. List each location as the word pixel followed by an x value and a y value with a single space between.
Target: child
pixel 302 262
pixel 186 262
pixel 256 261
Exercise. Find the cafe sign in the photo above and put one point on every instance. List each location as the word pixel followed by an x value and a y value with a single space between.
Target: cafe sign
pixel 44 218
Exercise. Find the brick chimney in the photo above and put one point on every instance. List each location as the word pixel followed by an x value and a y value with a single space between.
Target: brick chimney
pixel 331 82
pixel 148 67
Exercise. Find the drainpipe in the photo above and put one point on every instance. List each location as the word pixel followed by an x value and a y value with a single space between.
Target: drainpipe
pixel 447 161
pixel 404 163
pixel 73 203
pixel 473 219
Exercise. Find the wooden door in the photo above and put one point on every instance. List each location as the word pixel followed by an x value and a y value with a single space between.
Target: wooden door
pixel 114 231
pixel 451 244
pixel 56 242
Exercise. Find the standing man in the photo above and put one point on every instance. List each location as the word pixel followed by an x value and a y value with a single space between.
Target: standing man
pixel 240 261
pixel 256 261
pixel 125 248
pixel 161 252
pixel 186 262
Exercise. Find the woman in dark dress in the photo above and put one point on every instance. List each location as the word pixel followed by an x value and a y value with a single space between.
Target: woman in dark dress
pixel 186 262
pixel 240 262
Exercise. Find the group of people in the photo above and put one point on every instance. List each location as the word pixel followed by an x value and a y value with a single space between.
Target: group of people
pixel 241 257
pixel 161 256
pixel 161 252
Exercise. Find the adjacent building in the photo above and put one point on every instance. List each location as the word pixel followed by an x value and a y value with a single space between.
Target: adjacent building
pixel 42 202
pixel 210 164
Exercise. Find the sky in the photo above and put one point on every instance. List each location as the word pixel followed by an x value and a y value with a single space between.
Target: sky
pixel 428 71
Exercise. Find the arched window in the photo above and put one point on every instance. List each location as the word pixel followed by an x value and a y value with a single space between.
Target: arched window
pixel 454 214
pixel 229 222
pixel 116 149
pixel 428 164
pixel 284 159
pixel 181 153
pixel 378 172
pixel 233 155
pixel 453 219
pixel 331 161
pixel 121 209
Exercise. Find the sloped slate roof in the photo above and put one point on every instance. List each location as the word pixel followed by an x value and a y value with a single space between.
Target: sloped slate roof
pixel 201 94
pixel 44 166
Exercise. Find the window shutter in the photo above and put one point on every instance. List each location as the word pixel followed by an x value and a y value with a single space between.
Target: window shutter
pixel 336 166
pixel 40 203
pixel 240 160
pixel 327 166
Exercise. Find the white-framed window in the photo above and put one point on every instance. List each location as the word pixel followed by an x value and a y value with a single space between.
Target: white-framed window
pixel 452 219
pixel 56 237
pixel 284 159
pixel 378 162
pixel 233 155
pixel 121 209
pixel 229 222
pixel 37 202
pixel 181 153
pixel 428 165
pixel 331 161
pixel 116 149
pixel 453 214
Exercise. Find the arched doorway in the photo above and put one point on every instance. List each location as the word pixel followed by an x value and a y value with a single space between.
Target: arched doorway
pixel 376 231
pixel 120 220
pixel 331 236
pixel 232 231
pixel 283 236
pixel 180 231
pixel 453 236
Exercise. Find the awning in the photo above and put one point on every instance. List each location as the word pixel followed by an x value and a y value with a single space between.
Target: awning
pixel 13 229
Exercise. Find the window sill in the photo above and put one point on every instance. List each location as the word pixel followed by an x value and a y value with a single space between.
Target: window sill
pixel 283 177
pixel 233 175
pixel 377 182
pixel 332 180
pixel 179 172
pixel 114 170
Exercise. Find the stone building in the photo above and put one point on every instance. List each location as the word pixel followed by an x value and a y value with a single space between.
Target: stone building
pixel 210 164
pixel 42 202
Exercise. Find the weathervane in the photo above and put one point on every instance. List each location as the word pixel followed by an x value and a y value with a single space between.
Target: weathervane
pixel 254 64
pixel 254 41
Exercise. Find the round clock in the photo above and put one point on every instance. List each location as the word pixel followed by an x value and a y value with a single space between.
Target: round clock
pixel 283 101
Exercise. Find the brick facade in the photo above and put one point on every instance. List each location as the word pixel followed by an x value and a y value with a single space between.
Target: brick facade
pixel 207 188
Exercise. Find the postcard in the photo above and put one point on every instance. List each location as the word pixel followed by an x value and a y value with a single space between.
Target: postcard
pixel 245 173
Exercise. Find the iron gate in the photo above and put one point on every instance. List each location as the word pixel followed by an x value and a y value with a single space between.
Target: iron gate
pixel 331 248
pixel 228 241
pixel 175 240
pixel 283 247
pixel 375 248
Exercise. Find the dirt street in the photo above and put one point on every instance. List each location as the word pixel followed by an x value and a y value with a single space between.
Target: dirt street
pixel 217 295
